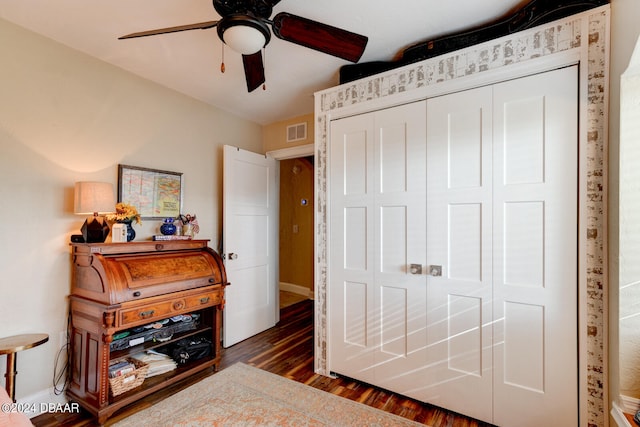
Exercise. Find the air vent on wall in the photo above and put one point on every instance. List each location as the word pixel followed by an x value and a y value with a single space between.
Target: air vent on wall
pixel 297 132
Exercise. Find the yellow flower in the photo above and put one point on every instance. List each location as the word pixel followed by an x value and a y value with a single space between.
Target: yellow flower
pixel 125 212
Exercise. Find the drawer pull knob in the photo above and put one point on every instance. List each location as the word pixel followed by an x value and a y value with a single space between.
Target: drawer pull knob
pixel 178 305
pixel 204 300
pixel 148 313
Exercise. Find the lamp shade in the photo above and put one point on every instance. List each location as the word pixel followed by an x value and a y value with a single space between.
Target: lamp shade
pixel 93 197
pixel 244 39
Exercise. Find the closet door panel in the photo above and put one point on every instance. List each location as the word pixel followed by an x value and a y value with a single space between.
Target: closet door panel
pixel 459 189
pixel 377 228
pixel 523 243
pixel 400 240
pixel 465 328
pixel 535 254
pixel 355 229
pixel 393 321
pixel 352 150
pixel 523 143
pixel 393 146
pixel 464 141
pixel 393 239
pixel 351 274
pixel 354 332
pixel 465 241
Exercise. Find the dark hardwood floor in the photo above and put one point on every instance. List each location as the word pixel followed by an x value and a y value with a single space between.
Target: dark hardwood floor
pixel 287 350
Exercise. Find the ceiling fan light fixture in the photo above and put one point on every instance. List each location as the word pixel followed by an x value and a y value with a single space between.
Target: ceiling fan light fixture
pixel 244 34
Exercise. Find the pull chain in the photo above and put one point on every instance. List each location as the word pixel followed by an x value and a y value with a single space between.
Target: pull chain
pixel 264 55
pixel 222 68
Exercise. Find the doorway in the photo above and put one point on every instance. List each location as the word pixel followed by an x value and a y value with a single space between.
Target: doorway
pixel 296 230
pixel 297 187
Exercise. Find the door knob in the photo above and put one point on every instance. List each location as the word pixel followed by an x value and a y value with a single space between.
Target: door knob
pixel 233 255
pixel 435 270
pixel 415 268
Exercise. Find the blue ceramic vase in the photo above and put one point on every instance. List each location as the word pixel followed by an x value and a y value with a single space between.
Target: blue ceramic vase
pixel 131 233
pixel 168 228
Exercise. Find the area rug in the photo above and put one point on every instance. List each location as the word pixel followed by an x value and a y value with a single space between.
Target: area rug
pixel 242 395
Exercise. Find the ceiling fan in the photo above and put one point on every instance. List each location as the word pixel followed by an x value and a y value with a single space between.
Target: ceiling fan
pixel 244 28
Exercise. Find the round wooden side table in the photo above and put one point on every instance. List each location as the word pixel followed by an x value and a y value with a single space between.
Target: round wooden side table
pixel 10 346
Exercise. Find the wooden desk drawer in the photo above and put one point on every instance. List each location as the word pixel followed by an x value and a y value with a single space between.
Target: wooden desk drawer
pixel 148 313
pixel 162 309
pixel 203 300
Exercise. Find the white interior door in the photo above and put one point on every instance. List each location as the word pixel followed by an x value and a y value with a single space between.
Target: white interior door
pixel 351 282
pixel 250 243
pixel 459 243
pixel 535 254
pixel 502 224
pixel 400 247
pixel 495 334
pixel 378 205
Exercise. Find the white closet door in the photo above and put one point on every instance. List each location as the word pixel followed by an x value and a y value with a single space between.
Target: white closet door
pixel 377 229
pixel 400 230
pixel 351 281
pixel 535 254
pixel 495 334
pixel 459 310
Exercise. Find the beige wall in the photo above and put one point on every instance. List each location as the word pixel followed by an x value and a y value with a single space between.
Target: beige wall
pixel 624 298
pixel 629 224
pixel 275 134
pixel 66 117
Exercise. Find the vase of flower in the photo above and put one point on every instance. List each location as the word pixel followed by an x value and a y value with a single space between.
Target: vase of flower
pixel 131 233
pixel 168 228
pixel 187 230
pixel 126 214
pixel 189 225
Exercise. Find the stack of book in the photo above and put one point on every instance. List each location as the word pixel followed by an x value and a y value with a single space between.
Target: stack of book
pixel 121 368
pixel 171 237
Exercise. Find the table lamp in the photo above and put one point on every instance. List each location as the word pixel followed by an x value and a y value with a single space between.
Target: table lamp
pixel 94 198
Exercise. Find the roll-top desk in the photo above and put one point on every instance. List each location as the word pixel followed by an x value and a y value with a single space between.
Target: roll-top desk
pixel 118 289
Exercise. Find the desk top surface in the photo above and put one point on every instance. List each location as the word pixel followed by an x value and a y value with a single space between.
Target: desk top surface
pixel 21 342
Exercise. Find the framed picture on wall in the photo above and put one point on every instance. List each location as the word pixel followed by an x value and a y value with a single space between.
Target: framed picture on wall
pixel 155 193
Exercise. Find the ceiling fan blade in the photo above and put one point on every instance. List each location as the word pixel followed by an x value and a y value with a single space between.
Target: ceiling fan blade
pixel 198 26
pixel 253 70
pixel 315 35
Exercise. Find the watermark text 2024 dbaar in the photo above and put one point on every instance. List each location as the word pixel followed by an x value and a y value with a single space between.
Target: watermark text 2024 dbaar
pixel 32 408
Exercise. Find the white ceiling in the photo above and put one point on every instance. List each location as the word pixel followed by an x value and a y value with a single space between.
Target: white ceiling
pixel 189 61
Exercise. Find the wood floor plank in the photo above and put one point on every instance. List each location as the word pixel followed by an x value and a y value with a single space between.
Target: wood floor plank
pixel 287 350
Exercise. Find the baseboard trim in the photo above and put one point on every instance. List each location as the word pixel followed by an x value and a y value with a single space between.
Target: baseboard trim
pixel 624 405
pixel 618 416
pixel 296 289
pixel 46 401
pixel 627 404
